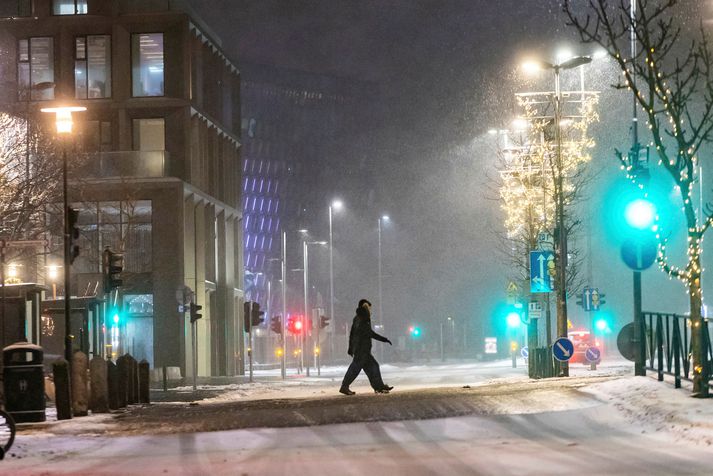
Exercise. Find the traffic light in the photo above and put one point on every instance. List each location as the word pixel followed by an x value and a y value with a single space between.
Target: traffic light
pixel 513 346
pixel 72 217
pixel 256 315
pixel 640 214
pixel 295 324
pixel 112 267
pixel 252 315
pixel 115 317
pixel 323 321
pixel 194 308
pixel 415 331
pixel 276 324
pixel 513 319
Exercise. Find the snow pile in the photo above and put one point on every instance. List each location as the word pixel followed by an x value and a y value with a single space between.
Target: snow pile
pixel 659 407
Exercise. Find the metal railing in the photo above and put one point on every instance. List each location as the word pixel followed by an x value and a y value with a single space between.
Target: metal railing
pixel 668 342
pixel 127 163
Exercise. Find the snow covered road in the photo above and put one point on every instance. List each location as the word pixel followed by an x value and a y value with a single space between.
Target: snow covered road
pixel 591 423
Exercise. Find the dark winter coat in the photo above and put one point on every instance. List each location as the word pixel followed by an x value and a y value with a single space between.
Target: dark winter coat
pixel 361 334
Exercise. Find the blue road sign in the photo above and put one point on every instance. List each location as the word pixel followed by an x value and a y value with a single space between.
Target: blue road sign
pixel 563 349
pixel 524 352
pixel 591 299
pixel 541 264
pixel 639 254
pixel 592 354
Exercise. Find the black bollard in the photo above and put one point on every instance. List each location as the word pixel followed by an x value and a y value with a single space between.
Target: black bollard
pixel 62 390
pixel 112 377
pixel 99 396
pixel 144 394
pixel 131 387
pixel 122 365
pixel 135 365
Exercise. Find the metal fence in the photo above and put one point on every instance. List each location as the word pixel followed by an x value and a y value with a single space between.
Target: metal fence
pixel 668 349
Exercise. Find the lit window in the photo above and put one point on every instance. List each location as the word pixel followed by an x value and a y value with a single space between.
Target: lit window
pixel 92 67
pixel 69 7
pixel 147 64
pixel 35 69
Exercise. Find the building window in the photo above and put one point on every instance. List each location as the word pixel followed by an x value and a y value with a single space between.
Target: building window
pixel 69 7
pixel 147 64
pixel 15 8
pixel 35 69
pixel 92 67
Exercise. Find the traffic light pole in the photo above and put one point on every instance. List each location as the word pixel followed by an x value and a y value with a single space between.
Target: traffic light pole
pixel 283 323
pixel 67 265
pixel 639 331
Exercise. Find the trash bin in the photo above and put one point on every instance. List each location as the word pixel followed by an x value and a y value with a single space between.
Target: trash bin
pixel 24 382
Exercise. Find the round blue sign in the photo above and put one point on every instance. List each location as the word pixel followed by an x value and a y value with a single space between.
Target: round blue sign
pixel 639 254
pixel 592 354
pixel 563 349
pixel 524 352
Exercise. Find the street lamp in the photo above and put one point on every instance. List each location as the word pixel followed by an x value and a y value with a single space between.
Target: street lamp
pixel 64 125
pixel 382 219
pixel 305 255
pixel 336 205
pixel 556 68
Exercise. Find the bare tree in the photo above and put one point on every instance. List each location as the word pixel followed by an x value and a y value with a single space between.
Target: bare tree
pixel 671 80
pixel 29 184
pixel 529 172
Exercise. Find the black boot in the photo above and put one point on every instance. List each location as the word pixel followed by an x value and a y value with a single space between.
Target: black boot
pixel 346 391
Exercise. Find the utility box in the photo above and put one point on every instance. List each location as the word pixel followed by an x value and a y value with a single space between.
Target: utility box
pixel 24 382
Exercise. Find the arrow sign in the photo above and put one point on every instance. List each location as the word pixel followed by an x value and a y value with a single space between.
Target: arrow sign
pixel 524 352
pixel 540 279
pixel 587 299
pixel 563 349
pixel 593 354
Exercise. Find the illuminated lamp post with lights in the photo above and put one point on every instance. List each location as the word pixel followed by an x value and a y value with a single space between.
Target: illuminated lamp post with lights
pixel 64 125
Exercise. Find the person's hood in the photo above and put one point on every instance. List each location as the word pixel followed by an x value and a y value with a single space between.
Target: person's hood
pixel 361 311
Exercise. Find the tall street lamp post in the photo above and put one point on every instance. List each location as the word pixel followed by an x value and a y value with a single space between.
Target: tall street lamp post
pixel 559 195
pixel 381 220
pixel 336 205
pixel 305 255
pixel 63 124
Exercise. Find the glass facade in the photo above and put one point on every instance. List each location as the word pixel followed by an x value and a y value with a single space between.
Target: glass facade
pixel 35 69
pixel 92 67
pixel 147 73
pixel 69 7
pixel 123 226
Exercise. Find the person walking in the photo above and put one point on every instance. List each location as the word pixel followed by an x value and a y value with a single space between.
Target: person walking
pixel 360 349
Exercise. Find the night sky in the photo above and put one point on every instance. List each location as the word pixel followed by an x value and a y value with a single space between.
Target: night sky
pixel 447 70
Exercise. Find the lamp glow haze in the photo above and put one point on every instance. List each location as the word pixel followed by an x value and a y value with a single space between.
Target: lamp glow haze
pixel 640 214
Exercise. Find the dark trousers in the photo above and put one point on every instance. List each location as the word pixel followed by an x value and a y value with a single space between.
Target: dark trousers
pixel 371 368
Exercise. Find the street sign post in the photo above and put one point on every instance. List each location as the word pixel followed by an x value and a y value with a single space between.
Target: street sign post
pixel 541 262
pixel 563 349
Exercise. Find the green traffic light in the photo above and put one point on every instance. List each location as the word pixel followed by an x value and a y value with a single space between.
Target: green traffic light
pixel 640 214
pixel 513 319
pixel 601 325
pixel 415 331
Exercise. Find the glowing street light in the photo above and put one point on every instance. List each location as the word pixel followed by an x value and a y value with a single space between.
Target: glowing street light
pixel 64 126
